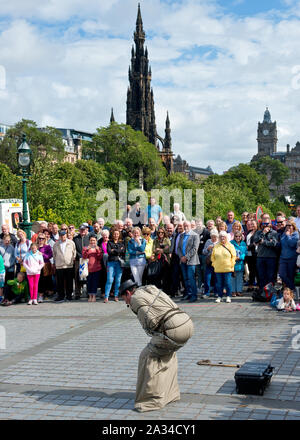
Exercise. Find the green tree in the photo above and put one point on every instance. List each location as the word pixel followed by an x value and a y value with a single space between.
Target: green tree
pixel 295 193
pixel 45 143
pixel 10 184
pixel 130 151
pixel 276 171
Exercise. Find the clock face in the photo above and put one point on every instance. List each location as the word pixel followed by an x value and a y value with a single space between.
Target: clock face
pixel 265 132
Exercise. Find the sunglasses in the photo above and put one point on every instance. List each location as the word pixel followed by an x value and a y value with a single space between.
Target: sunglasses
pixel 279 223
pixel 71 227
pixel 42 238
pixel 64 229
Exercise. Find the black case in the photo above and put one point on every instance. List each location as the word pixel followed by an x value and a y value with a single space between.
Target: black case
pixel 253 377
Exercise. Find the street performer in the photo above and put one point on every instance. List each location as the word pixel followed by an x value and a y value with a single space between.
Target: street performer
pixel 170 328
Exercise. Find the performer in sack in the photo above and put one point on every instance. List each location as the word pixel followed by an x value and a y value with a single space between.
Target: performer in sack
pixel 170 328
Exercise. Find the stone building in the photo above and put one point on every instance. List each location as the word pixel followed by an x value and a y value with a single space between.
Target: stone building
pixel 3 130
pixel 72 140
pixel 267 146
pixel 140 113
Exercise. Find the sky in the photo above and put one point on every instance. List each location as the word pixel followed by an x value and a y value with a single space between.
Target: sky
pixel 216 65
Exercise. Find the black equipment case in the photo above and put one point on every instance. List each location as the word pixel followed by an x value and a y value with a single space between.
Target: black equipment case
pixel 253 377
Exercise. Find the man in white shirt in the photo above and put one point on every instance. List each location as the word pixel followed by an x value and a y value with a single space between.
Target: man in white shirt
pixel 297 219
pixel 64 254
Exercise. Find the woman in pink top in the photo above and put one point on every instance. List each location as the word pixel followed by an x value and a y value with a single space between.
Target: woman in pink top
pixel 94 254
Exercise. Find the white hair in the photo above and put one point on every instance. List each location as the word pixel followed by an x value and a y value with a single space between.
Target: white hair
pixel 223 234
pixel 214 232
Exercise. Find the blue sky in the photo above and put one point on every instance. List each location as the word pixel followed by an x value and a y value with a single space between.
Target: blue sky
pixel 215 66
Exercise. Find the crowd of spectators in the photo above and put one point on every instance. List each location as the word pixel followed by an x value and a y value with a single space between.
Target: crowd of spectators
pixel 185 258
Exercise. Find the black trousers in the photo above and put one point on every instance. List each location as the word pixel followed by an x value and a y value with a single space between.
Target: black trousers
pixel 175 274
pixel 65 282
pixel 11 296
pixel 251 261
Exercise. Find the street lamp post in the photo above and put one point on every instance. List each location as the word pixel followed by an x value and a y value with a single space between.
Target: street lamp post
pixel 24 160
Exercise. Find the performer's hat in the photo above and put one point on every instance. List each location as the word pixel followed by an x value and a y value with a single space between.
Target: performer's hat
pixel 126 286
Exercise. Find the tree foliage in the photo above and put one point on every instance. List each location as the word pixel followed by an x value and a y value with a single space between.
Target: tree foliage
pixel 124 152
pixel 276 171
pixel 63 192
pixel 295 193
pixel 46 144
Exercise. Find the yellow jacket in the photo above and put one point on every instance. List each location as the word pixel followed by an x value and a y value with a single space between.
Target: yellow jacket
pixel 149 248
pixel 223 260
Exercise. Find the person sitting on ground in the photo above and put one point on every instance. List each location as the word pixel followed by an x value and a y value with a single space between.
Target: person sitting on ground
pixel 287 302
pixel 16 290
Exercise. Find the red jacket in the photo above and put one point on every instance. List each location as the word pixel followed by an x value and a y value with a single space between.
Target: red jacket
pixel 94 256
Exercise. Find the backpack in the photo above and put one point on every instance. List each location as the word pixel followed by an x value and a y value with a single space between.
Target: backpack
pixel 264 295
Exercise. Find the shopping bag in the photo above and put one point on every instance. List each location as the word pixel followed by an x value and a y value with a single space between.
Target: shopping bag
pixel 83 268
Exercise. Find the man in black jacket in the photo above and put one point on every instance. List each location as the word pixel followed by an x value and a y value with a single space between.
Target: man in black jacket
pixel 266 239
pixel 81 240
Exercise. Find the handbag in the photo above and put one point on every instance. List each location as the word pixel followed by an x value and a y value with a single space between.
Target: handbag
pixel 83 268
pixel 122 262
pixel 47 269
pixel 22 269
pixel 208 260
pixel 154 269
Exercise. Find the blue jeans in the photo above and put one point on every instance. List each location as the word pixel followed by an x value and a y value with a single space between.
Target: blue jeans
pixel 188 273
pixel 208 277
pixel 237 281
pixel 223 281
pixel 287 270
pixel 114 273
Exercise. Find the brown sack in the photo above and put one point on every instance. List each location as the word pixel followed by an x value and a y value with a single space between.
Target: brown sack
pixel 157 381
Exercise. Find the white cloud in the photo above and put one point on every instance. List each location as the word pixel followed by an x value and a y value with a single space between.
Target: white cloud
pixel 66 64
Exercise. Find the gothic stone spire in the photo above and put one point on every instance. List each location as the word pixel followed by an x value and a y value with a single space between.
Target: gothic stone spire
pixel 140 103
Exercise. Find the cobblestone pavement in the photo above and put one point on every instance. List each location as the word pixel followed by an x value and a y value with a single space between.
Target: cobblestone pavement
pixel 79 360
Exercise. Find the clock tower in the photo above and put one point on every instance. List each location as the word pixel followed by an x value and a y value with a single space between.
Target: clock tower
pixel 267 136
